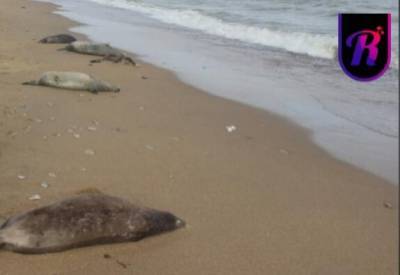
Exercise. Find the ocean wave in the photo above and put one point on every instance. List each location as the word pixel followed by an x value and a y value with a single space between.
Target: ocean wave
pixel 323 46
pixel 315 45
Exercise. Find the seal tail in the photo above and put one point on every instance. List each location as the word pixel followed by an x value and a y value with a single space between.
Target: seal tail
pixel 32 82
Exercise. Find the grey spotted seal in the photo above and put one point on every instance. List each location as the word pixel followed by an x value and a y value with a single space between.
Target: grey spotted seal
pixel 58 39
pixel 73 81
pixel 99 49
pixel 83 220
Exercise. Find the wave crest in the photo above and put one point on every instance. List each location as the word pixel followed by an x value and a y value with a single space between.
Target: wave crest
pixel 315 45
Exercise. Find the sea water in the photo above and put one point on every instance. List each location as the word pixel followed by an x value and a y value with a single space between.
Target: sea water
pixel 279 55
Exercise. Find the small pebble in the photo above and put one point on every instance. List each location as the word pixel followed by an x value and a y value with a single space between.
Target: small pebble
pixel 44 184
pixel 35 197
pixel 92 128
pixel 149 147
pixel 77 135
pixel 283 151
pixel 107 256
pixel 388 205
pixel 52 175
pixel 230 128
pixel 89 152
pixel 21 177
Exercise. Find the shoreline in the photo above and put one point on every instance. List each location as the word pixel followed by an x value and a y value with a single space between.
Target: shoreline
pixel 336 114
pixel 262 199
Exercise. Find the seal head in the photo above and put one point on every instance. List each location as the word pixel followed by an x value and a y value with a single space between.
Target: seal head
pixel 160 221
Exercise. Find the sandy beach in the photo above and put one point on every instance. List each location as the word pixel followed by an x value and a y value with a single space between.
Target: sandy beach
pixel 262 199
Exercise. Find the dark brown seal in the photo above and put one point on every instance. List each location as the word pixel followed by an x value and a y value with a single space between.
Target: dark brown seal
pixel 58 39
pixel 83 220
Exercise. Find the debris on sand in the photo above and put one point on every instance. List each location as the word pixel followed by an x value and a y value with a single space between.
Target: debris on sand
pixel 35 197
pixel 149 147
pixel 387 205
pixel 121 264
pixel 52 175
pixel 21 177
pixel 44 184
pixel 230 128
pixel 284 152
pixel 89 152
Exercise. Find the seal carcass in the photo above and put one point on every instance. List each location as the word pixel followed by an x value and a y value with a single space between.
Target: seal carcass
pixel 58 39
pixel 83 220
pixel 73 81
pixel 99 49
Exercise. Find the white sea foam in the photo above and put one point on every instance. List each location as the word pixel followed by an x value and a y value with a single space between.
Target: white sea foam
pixel 317 45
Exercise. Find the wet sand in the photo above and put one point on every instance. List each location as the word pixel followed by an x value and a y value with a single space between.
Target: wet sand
pixel 259 200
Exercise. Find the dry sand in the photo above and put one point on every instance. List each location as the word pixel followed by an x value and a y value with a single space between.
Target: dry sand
pixel 259 200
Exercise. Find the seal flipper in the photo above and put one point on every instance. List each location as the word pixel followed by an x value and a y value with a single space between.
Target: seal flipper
pixel 32 82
